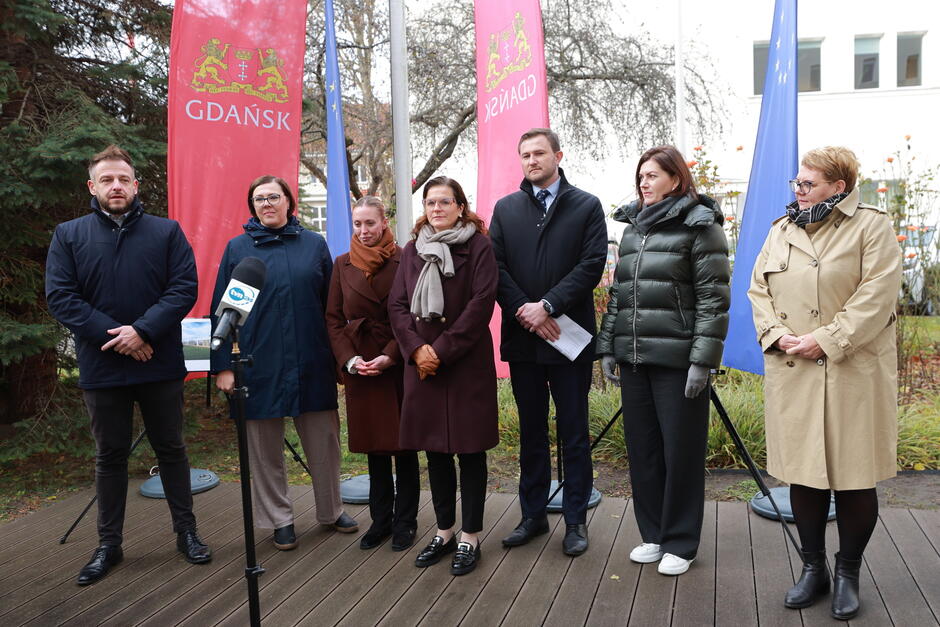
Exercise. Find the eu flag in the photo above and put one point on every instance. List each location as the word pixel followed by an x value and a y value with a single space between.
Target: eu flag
pixel 338 216
pixel 775 161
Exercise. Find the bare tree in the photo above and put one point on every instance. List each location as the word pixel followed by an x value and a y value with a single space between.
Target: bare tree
pixel 600 81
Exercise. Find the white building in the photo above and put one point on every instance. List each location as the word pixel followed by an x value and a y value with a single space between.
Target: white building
pixel 869 73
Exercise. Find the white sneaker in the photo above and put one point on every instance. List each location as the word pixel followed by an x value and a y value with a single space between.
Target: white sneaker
pixel 673 565
pixel 646 553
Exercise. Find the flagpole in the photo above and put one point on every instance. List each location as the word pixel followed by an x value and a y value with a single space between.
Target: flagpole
pixel 680 83
pixel 400 120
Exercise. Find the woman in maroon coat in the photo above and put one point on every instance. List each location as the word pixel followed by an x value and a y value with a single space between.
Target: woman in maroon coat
pixel 370 368
pixel 440 308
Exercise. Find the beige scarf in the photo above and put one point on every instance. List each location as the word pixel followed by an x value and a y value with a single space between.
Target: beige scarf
pixel 434 248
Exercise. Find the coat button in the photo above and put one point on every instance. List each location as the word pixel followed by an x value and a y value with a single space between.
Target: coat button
pixel 814 263
pixel 783 315
pixel 790 364
pixel 814 313
pixel 820 362
pixel 783 266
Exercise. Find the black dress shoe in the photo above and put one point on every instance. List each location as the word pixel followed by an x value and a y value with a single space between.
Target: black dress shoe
pixel 433 552
pixel 345 524
pixel 527 529
pixel 101 562
pixel 403 540
pixel 845 588
pixel 374 537
pixel 192 547
pixel 284 538
pixel 813 583
pixel 465 559
pixel 576 539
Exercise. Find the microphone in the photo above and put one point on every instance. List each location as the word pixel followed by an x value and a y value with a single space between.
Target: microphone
pixel 240 296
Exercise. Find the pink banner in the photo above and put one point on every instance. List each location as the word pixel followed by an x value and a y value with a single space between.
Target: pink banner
pixel 236 70
pixel 512 97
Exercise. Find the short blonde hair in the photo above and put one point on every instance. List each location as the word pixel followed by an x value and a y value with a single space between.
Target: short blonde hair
pixel 837 163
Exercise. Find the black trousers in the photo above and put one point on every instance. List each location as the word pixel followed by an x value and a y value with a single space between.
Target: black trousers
pixel 666 436
pixel 112 418
pixel 568 385
pixel 442 475
pixel 393 503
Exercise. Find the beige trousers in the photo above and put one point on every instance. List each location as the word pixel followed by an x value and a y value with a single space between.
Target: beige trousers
pixel 319 436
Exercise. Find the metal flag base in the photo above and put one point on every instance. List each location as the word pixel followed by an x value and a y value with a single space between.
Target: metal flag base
pixel 554 505
pixel 200 481
pixel 761 505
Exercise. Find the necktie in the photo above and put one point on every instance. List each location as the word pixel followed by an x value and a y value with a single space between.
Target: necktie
pixel 542 197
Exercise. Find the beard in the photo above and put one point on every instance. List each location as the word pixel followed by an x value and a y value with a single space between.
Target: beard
pixel 118 205
pixel 541 177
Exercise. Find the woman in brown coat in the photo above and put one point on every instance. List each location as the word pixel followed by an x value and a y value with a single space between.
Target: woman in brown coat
pixel 370 368
pixel 823 293
pixel 440 308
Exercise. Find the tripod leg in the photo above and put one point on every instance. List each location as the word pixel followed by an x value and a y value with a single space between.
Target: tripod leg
pixel 296 456
pixel 751 466
pixel 95 497
pixel 600 436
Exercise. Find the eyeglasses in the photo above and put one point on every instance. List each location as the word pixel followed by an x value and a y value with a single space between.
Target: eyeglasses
pixel 271 199
pixel 443 203
pixel 804 187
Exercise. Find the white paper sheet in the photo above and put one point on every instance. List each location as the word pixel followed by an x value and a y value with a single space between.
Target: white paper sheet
pixel 573 338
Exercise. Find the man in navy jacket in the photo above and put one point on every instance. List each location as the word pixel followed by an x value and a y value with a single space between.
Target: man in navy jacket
pixel 550 240
pixel 121 281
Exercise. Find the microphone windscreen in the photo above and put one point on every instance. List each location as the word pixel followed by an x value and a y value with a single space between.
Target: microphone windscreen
pixel 250 271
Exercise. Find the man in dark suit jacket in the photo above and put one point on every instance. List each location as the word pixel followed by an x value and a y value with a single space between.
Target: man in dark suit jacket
pixel 550 240
pixel 121 281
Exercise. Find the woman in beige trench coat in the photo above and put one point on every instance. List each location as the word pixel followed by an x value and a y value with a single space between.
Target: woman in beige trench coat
pixel 823 292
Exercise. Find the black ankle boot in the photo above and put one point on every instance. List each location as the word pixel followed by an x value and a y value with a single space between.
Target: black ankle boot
pixel 845 588
pixel 813 583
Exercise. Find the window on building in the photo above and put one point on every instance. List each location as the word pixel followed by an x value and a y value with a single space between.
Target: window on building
pixel 808 62
pixel 313 217
pixel 909 70
pixel 866 62
pixel 760 67
pixel 362 175
pixel 809 65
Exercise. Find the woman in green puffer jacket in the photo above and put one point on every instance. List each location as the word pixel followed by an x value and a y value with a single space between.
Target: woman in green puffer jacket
pixel 665 327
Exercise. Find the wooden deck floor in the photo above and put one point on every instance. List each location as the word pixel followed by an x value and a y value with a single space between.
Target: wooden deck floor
pixel 742 570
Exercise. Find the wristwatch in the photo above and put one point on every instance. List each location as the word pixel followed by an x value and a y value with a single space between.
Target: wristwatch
pixel 547 306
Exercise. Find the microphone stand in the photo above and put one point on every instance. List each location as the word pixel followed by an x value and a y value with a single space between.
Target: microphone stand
pixel 237 399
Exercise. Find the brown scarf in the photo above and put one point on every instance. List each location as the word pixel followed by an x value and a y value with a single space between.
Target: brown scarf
pixel 370 259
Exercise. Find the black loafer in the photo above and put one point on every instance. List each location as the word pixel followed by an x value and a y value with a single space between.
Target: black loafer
pixel 433 552
pixel 403 540
pixel 101 562
pixel 374 537
pixel 527 529
pixel 192 547
pixel 284 538
pixel 465 559
pixel 576 540
pixel 345 524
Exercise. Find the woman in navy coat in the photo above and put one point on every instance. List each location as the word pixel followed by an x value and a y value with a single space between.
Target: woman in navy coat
pixel 292 373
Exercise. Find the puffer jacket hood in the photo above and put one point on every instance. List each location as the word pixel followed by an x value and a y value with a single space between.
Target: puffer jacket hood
pixel 670 298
